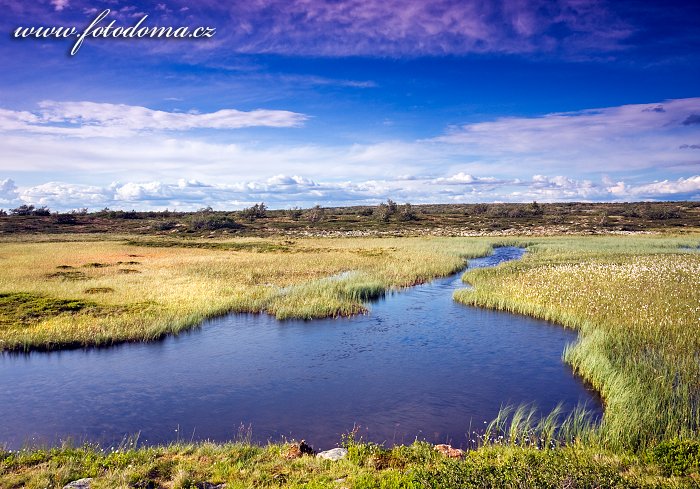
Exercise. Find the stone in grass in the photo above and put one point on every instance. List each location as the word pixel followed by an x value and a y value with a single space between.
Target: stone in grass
pixel 334 454
pixel 79 484
pixel 449 451
pixel 296 450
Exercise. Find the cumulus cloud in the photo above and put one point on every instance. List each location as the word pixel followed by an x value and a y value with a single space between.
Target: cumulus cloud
pixel 462 178
pixel 492 160
pixel 283 191
pixel 8 191
pixel 686 187
pixel 90 119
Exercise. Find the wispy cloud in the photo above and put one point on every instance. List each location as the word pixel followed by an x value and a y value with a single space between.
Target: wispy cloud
pixel 396 28
pixel 413 28
pixel 59 5
pixel 626 137
pixel 90 119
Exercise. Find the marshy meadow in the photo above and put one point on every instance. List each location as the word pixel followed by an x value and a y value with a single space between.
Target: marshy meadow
pixel 632 298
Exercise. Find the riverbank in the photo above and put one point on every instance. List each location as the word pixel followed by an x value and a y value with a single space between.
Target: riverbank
pixel 420 465
pixel 633 299
pixel 636 305
pixel 57 293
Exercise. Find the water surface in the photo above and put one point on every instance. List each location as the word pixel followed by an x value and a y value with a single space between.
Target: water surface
pixel 418 365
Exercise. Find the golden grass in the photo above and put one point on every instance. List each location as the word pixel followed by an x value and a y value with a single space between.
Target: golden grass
pixel 136 292
pixel 636 303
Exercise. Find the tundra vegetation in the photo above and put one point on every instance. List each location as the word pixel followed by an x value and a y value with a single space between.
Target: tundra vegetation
pixel 635 300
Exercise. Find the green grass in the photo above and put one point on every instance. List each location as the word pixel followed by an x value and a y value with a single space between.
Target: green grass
pixel 636 305
pixel 242 465
pixel 22 308
pixel 634 300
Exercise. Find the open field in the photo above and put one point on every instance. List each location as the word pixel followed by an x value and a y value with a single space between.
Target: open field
pixel 634 299
pixel 56 294
pixel 636 304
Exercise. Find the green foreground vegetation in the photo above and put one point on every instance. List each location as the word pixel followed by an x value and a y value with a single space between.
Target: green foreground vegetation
pixel 635 301
pixel 418 466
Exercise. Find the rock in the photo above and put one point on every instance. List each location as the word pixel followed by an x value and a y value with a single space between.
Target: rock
pixel 79 484
pixel 209 485
pixel 296 450
pixel 450 452
pixel 334 454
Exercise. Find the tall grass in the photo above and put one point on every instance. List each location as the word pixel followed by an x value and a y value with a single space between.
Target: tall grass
pixel 142 292
pixel 636 304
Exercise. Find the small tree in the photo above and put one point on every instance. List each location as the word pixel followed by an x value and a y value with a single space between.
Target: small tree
pixel 382 212
pixel 316 213
pixel 536 209
pixel 294 213
pixel 2 212
pixel 256 211
pixel 408 213
pixel 393 206
pixel 23 210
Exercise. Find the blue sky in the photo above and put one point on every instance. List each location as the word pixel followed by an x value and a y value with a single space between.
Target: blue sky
pixel 305 102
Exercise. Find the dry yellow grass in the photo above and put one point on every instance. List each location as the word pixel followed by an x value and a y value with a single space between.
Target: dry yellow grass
pixel 131 292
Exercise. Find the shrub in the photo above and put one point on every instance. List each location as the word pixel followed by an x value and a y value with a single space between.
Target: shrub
pixel 254 212
pixel 677 457
pixel 479 209
pixel 316 214
pixel 30 210
pixel 295 213
pixel 164 225
pixel 408 213
pixel 211 222
pixel 66 219
pixel 382 212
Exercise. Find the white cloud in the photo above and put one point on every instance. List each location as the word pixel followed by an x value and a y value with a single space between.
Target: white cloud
pixel 282 191
pixel 462 178
pixel 8 191
pixel 91 120
pixel 607 139
pixel 59 5
pixel 568 154
pixel 690 185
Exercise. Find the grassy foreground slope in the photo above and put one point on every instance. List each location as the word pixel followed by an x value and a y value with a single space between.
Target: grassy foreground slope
pixel 368 466
pixel 56 294
pixel 636 304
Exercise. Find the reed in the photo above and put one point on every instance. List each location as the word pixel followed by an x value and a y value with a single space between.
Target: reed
pixel 636 304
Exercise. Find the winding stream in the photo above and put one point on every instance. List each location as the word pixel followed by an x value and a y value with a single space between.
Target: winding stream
pixel 419 364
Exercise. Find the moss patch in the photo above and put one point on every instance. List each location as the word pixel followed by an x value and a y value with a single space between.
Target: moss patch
pixel 21 308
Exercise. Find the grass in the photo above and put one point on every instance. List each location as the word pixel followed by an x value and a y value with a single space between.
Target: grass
pixel 635 301
pixel 142 290
pixel 636 305
pixel 242 465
